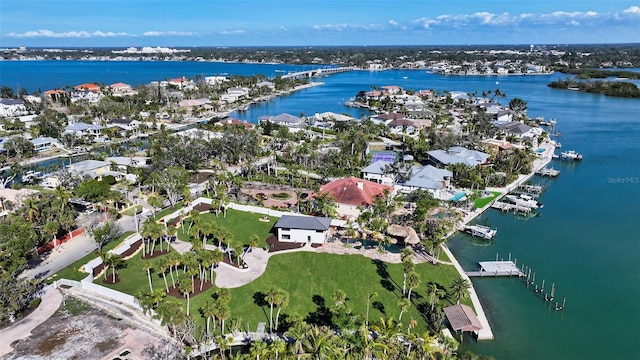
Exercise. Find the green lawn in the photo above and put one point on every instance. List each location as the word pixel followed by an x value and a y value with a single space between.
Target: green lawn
pixel 72 271
pixel 480 203
pixel 130 211
pixel 240 223
pixel 309 277
pixel 169 210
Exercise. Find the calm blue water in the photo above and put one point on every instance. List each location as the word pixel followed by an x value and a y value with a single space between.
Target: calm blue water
pixel 586 239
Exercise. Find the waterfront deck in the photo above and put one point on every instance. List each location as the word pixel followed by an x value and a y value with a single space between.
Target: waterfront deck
pixel 496 268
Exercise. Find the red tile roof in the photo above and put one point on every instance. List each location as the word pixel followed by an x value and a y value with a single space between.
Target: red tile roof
pixel 233 121
pixel 347 191
pixel 120 85
pixel 88 86
pixel 55 91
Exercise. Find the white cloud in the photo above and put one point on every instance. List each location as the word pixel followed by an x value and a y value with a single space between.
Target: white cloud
pixel 633 10
pixel 68 34
pixel 233 32
pixel 393 22
pixel 168 33
pixel 347 27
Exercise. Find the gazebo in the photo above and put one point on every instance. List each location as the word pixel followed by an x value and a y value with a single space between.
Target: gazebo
pixel 462 318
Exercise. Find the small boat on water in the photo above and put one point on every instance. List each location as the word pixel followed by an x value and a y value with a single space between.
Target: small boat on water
pixel 548 171
pixel 525 200
pixel 480 231
pixel 570 155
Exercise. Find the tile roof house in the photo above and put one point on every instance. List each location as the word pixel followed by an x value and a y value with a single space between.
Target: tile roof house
pixel 379 172
pixel 288 120
pixel 91 168
pixel 302 229
pixel 235 122
pixel 353 193
pixel 462 318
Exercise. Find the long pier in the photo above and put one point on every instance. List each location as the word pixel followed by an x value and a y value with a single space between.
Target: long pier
pixel 496 268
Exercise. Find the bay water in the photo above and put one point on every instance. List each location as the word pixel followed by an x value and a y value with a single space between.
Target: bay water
pixel 586 239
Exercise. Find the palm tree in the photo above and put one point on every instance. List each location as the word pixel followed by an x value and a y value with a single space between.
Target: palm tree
pixel 459 289
pixel 413 281
pixel 434 292
pixel 271 297
pixel 208 310
pixel 254 240
pixel 51 228
pixel 161 268
pixel 258 348
pixel 277 347
pixel 224 312
pixel 148 266
pixel 318 342
pixel 113 261
pixel 282 300
pixel 64 196
pixel 339 298
pixel 403 305
pixel 185 285
pixel 407 267
pixel 171 313
pixel 224 344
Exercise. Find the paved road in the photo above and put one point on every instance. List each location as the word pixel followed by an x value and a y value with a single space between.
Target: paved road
pixel 74 249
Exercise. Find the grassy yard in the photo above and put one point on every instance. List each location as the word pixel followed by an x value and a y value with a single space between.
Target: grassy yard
pixel 240 223
pixel 72 272
pixel 169 210
pixel 310 279
pixel 137 209
pixel 480 203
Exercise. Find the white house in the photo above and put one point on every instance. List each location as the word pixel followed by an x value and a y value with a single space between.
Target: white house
pixel 234 94
pixel 215 80
pixel 427 178
pixel 379 172
pixel 81 129
pixel 44 143
pixel 288 120
pixel 302 229
pixel 92 168
pixel 12 107
pixel 122 89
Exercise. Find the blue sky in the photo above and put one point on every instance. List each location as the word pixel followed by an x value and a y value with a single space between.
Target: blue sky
pixel 315 22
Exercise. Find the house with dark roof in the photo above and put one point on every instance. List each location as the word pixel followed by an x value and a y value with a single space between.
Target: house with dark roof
pixel 352 194
pixel 302 229
pixel 12 107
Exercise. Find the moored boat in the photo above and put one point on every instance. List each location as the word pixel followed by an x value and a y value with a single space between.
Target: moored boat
pixel 480 231
pixel 570 155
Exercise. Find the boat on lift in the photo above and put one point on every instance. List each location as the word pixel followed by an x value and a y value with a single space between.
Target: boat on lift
pixel 480 231
pixel 525 200
pixel 570 155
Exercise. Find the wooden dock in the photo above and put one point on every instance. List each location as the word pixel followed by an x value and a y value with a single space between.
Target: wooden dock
pixel 503 206
pixel 496 268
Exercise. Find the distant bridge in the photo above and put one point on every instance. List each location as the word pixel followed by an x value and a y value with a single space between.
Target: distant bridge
pixel 317 72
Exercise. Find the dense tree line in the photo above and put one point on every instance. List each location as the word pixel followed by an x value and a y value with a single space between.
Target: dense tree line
pixel 609 88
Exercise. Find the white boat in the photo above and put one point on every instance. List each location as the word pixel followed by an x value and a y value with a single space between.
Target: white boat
pixel 480 231
pixel 570 155
pixel 548 171
pixel 524 200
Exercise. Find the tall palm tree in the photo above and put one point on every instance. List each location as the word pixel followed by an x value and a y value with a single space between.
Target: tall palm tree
pixel 434 292
pixel 271 297
pixel 148 266
pixel 277 347
pixel 115 262
pixel 413 281
pixel 208 310
pixel 407 267
pixel 185 285
pixel 369 297
pixel 224 312
pixel 403 305
pixel 282 300
pixel 63 195
pixel 459 289
pixel 258 348
pixel 51 228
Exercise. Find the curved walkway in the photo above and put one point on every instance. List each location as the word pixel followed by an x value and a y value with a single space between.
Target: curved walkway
pixel 257 260
pixel 51 301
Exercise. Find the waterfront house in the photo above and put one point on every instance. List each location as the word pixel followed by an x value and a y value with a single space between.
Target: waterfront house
pixel 462 318
pixel 302 229
pixel 352 194
pixel 386 118
pixel 181 83
pixel 83 130
pixel 234 94
pixel 195 133
pixel 267 84
pixel 88 87
pixel 456 155
pixel 521 131
pixel 429 178
pixel 215 80
pixel 44 143
pixel 12 107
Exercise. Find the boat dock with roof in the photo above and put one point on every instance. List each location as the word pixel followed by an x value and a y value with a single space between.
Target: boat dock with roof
pixel 497 268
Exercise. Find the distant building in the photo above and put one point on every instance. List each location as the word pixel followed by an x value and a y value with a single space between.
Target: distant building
pixel 12 107
pixel 456 155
